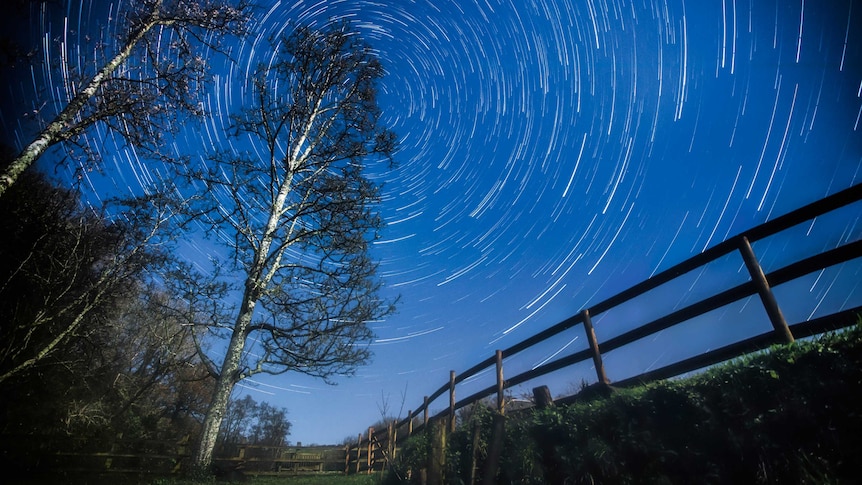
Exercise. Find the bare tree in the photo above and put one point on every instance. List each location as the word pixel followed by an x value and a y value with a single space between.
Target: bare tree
pixel 272 427
pixel 64 268
pixel 298 214
pixel 138 375
pixel 154 371
pixel 249 422
pixel 238 421
pixel 131 373
pixel 151 78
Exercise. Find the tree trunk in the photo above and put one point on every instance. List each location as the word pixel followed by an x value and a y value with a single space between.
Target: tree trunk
pixel 261 272
pixel 256 279
pixel 54 132
pixel 228 377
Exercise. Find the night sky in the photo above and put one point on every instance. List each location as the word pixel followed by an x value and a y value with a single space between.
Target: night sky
pixel 554 153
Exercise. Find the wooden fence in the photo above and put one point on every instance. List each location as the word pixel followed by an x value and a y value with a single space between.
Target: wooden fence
pixel 282 460
pixel 137 458
pixel 381 444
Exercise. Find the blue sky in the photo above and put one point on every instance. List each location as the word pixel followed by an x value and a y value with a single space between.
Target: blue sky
pixel 556 152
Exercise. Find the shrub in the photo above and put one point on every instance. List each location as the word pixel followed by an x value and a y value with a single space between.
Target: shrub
pixel 786 415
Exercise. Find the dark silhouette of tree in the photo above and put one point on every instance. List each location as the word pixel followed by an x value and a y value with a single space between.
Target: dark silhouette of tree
pixel 63 269
pixel 248 422
pixel 272 426
pixel 237 421
pixel 299 213
pixel 157 385
pixel 139 90
pixel 91 343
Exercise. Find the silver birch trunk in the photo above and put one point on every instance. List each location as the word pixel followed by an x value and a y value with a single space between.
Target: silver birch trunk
pixel 256 280
pixel 228 377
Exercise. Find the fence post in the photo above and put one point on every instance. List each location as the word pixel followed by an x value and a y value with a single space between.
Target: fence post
pixel 436 465
pixel 550 463
pixel 358 452
pixel 451 401
pixel 495 449
pixel 542 397
pixel 370 458
pixel 765 292
pixel 425 412
pixel 346 459
pixel 501 403
pixel 393 438
pixel 474 455
pixel 594 347
pixel 409 423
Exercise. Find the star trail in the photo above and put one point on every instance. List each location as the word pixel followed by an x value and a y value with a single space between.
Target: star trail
pixel 552 153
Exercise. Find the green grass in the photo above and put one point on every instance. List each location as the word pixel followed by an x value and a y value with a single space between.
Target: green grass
pixel 335 479
pixel 320 479
pixel 132 479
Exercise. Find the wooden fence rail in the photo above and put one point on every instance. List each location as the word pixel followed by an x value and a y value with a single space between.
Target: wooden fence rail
pixel 759 284
pixel 283 460
pixel 164 457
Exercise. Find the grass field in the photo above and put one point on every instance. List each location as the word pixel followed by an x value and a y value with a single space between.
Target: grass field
pixel 323 479
pixel 112 479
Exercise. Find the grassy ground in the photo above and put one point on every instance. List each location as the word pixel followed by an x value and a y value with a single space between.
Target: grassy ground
pixel 335 479
pixel 789 415
pixel 324 479
pixel 113 479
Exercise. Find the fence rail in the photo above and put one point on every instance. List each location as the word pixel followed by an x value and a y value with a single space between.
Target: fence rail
pixel 759 284
pixel 135 457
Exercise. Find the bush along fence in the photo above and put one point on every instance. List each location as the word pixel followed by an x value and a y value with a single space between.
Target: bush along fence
pixel 377 450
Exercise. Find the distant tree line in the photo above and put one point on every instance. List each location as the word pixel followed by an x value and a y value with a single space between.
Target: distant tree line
pixel 249 422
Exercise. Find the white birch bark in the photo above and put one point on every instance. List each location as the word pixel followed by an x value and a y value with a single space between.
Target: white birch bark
pixel 287 188
pixel 256 281
pixel 54 132
pixel 224 386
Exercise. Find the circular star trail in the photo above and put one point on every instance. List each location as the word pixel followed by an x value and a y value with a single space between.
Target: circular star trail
pixel 553 153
